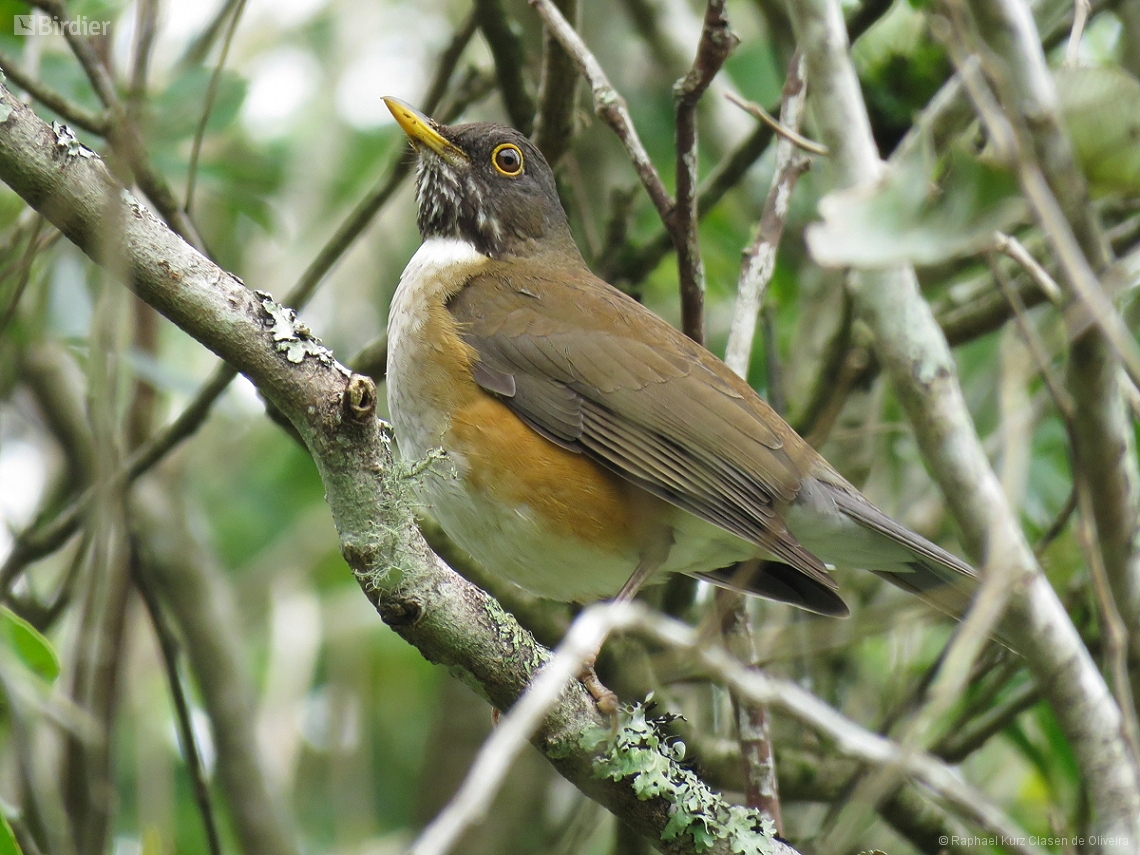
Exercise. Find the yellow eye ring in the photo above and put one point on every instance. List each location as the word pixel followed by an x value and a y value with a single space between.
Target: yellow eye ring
pixel 507 160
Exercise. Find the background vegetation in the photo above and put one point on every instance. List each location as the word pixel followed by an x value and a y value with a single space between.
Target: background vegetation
pixel 317 727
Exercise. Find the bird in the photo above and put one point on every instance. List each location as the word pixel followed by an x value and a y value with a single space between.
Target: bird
pixel 590 447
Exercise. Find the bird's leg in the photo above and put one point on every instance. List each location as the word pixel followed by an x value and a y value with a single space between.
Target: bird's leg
pixel 606 699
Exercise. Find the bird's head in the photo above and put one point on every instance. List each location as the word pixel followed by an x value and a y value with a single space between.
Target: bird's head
pixel 485 184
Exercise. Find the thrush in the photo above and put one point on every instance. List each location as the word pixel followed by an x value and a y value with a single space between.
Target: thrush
pixel 591 446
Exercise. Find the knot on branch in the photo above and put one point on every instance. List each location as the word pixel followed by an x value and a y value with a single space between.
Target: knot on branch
pixel 358 403
pixel 397 613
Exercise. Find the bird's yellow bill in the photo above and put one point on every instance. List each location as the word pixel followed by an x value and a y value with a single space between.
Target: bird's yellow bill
pixel 420 130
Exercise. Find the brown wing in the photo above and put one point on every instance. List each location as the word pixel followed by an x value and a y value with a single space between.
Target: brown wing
pixel 596 372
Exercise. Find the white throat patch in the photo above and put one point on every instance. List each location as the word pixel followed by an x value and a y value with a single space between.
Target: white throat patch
pixel 440 258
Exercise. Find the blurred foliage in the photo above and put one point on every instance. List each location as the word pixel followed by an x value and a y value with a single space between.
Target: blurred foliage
pixel 364 740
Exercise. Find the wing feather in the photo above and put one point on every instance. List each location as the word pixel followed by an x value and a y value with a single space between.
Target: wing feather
pixel 640 399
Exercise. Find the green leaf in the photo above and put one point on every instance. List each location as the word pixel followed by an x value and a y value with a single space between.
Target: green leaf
pixel 29 645
pixel 8 844
pixel 923 211
pixel 1101 109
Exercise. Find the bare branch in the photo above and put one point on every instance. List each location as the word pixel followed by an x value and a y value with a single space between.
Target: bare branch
pixel 778 125
pixel 122 131
pixel 168 646
pixel 717 42
pixel 759 259
pixel 754 736
pixel 1080 18
pixel 557 93
pixel 208 105
pixel 608 104
pixel 146 18
pixel 507 50
pixel 188 582
pixel 634 265
pixel 1011 246
pixel 81 117
pixel 849 738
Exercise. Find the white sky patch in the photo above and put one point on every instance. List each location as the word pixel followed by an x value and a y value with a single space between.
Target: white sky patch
pixel 280 83
pixel 284 13
pixel 178 24
pixel 379 71
pixel 245 395
pixel 23 477
pixel 395 64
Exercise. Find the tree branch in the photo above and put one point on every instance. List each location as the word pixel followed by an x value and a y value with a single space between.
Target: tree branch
pixel 96 123
pixel 608 104
pixel 507 51
pixel 717 42
pixel 557 91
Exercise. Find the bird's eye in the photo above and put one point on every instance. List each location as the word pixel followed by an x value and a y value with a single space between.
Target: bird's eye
pixel 507 160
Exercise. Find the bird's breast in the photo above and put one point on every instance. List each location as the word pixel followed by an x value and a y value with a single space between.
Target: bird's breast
pixel 552 520
pixel 429 365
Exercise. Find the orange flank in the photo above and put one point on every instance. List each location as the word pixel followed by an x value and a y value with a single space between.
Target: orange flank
pixel 571 494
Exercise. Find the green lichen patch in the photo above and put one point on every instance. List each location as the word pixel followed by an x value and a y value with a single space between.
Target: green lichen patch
pixel 293 338
pixel 392 542
pixel 66 139
pixel 641 752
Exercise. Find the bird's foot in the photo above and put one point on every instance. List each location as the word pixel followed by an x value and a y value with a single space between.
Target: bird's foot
pixel 607 701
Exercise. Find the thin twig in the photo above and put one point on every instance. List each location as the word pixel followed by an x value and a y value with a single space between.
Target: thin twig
pixel 146 16
pixel 1044 204
pixel 850 738
pixel 778 125
pixel 866 15
pixel 1080 18
pixel 717 42
pixel 448 60
pixel 96 123
pixel 122 131
pixel 208 105
pixel 494 759
pixel 23 272
pixel 200 47
pixel 510 59
pixel 1061 397
pixel 635 263
pixel 1114 634
pixel 757 757
pixel 168 645
pixel 1011 246
pixel 557 93
pixel 608 104
pixel 1113 629
pixel 759 259
pixel 1057 526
